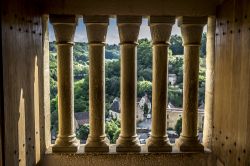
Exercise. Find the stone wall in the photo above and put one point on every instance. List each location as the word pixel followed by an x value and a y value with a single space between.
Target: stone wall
pixel 173 115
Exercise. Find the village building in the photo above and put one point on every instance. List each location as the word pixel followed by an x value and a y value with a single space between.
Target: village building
pixel 81 118
pixel 174 114
pixel 141 103
pixel 172 78
pixel 114 112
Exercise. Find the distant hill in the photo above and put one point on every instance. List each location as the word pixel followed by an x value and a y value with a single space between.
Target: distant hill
pixel 81 50
pixel 112 73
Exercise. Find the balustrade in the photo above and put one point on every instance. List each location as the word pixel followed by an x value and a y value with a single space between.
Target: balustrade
pixel 128 26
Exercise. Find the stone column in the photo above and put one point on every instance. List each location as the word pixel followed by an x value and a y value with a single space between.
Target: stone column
pixel 209 92
pixel 191 30
pixel 64 28
pixel 128 27
pixel 160 28
pixel 96 31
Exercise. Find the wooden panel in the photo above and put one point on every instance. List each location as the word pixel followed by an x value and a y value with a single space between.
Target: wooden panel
pixel 1 102
pixel 22 59
pixel 232 83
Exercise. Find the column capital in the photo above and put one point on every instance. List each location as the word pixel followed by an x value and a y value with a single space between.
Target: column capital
pixel 64 28
pixel 96 19
pixel 96 27
pixel 160 28
pixel 191 29
pixel 188 20
pixel 128 27
pixel 161 20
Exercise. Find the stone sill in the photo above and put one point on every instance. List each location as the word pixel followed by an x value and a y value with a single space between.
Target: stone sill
pixel 112 150
pixel 112 158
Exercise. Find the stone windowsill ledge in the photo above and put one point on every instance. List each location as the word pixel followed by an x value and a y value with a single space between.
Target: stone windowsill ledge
pixel 112 150
pixel 112 158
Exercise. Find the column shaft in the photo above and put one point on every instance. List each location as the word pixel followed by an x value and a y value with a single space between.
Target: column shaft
pixel 190 91
pixel 96 31
pixel 64 27
pixel 209 91
pixel 128 89
pixel 160 31
pixel 191 29
pixel 65 90
pixel 159 91
pixel 96 90
pixel 128 27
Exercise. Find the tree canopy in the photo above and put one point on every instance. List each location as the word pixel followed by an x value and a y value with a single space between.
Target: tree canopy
pixel 112 77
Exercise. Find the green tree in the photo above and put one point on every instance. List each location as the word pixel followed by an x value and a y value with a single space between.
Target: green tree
pixel 80 52
pixel 113 130
pixel 82 132
pixel 81 95
pixel 202 79
pixel 178 126
pixel 112 75
pixel 112 51
pixel 54 114
pixel 54 104
pixel 145 109
pixel 176 45
pixel 176 67
pixel 144 60
pixel 144 87
pixel 175 94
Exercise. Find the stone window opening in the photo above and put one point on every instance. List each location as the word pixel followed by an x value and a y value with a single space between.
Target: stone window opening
pixel 97 26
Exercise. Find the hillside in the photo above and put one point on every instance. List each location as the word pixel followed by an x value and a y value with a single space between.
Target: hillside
pixel 112 74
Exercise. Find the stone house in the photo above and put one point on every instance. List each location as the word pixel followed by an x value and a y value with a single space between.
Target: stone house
pixel 81 118
pixel 173 114
pixel 172 78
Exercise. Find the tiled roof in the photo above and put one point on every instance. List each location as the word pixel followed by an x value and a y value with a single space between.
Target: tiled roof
pixel 82 117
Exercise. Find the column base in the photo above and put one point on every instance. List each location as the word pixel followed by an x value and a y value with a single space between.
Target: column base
pixel 100 144
pixel 189 144
pixel 128 144
pixel 66 144
pixel 158 144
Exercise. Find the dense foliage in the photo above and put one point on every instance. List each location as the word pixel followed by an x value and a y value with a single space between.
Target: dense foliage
pixel 113 130
pixel 178 126
pixel 112 78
